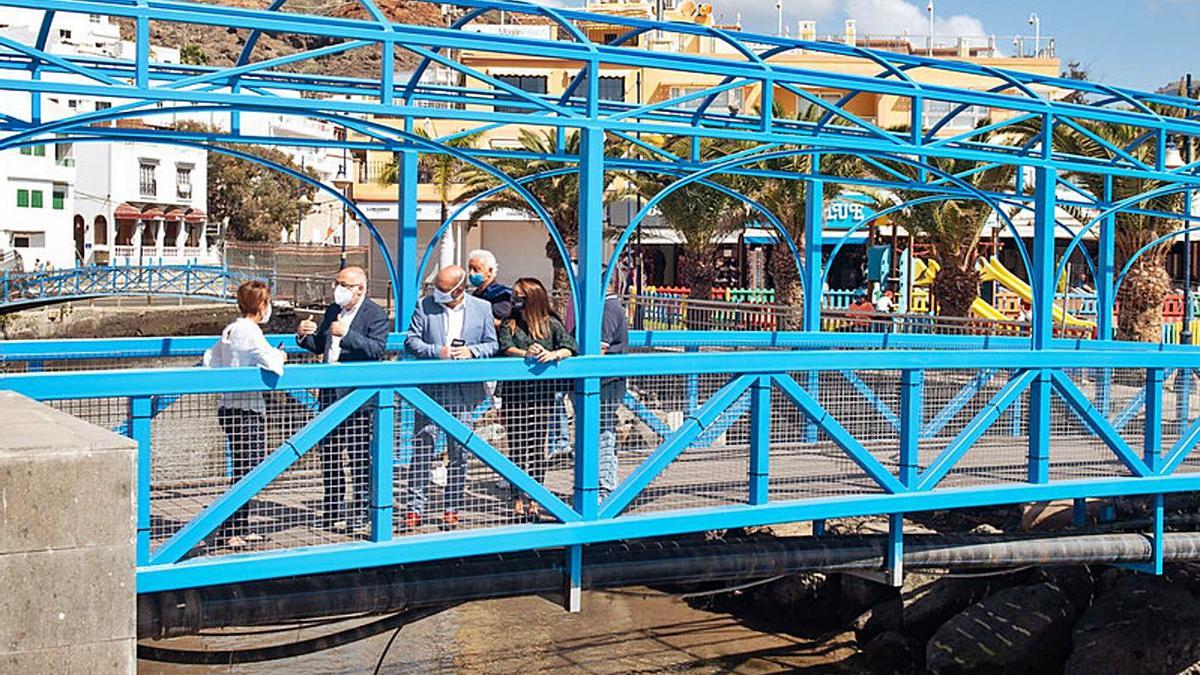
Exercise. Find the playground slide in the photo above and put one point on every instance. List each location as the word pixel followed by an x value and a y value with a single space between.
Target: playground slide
pixel 984 310
pixel 993 269
pixel 923 274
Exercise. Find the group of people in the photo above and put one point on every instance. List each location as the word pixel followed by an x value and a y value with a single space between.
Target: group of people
pixel 448 324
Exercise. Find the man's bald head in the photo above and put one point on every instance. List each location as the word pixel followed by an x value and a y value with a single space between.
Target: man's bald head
pixel 352 276
pixel 451 280
pixel 450 276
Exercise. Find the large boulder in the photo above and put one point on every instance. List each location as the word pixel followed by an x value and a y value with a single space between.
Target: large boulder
pixel 890 653
pixel 1137 624
pixel 1017 631
pixel 807 600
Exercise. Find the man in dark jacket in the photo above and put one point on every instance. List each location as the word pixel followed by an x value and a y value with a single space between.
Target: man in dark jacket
pixel 352 329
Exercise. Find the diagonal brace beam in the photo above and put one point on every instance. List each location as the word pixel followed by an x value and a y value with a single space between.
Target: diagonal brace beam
pixel 840 435
pixel 259 477
pixel 489 455
pixel 680 440
pixel 1099 424
pixel 984 419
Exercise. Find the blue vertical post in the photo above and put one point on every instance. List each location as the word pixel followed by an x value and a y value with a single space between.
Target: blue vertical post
pixel 589 301
pixel 142 50
pixel 814 265
pixel 383 453
pixel 1152 440
pixel 691 389
pixel 407 256
pixel 1106 292
pixel 1042 281
pixel 1156 553
pixel 1152 437
pixel 912 383
pixel 760 440
pixel 894 558
pixel 140 410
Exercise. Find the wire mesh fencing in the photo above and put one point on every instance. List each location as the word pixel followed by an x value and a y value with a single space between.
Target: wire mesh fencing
pixel 482 455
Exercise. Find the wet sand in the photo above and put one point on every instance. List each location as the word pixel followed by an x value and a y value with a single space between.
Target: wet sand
pixel 635 631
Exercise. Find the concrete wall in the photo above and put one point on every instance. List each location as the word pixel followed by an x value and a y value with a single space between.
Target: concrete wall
pixel 66 543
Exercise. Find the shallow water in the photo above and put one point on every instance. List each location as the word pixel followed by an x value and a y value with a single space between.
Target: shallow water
pixel 617 632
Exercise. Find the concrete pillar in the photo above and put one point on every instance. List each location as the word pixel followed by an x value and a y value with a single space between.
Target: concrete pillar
pixel 66 543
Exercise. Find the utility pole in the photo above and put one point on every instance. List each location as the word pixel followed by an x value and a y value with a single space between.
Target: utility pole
pixel 929 8
pixel 1185 335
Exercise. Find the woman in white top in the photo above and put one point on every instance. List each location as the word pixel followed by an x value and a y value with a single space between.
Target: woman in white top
pixel 242 415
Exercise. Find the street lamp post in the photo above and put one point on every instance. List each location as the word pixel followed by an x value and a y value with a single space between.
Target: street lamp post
pixel 1036 22
pixel 1185 335
pixel 342 183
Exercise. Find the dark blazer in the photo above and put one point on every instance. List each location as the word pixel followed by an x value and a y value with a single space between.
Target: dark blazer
pixel 366 340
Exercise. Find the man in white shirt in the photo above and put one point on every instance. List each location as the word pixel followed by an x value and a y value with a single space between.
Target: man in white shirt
pixel 353 329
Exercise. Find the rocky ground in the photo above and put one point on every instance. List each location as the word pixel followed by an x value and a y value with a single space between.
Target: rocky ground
pixel 1078 620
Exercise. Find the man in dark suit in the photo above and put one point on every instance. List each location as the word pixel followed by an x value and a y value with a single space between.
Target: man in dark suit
pixel 352 329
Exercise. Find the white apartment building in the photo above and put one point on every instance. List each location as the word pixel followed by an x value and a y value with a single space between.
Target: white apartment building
pixel 141 203
pixel 37 202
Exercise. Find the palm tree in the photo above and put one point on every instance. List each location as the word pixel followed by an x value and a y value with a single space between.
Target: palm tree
pixel 952 227
pixel 558 194
pixel 1147 283
pixel 444 171
pixel 787 200
pixel 701 215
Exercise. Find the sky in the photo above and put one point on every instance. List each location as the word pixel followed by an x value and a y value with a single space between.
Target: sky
pixel 1142 44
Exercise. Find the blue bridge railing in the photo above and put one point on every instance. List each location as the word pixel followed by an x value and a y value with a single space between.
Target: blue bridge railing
pixel 823 427
pixel 20 289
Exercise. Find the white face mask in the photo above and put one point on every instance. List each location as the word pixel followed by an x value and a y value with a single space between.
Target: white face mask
pixel 445 297
pixel 342 296
pixel 266 315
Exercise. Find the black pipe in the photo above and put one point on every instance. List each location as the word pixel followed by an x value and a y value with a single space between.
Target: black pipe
pixel 408 587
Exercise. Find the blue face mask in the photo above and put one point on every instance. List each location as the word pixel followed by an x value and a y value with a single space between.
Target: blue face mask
pixel 475 279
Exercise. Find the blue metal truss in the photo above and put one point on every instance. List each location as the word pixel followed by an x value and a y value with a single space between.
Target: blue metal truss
pixel 19 290
pixel 770 362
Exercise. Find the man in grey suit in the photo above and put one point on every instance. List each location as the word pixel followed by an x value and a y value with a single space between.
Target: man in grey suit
pixel 450 324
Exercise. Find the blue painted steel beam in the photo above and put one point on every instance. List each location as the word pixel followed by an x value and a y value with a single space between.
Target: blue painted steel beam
pixel 259 477
pixel 838 433
pixel 487 454
pixel 957 403
pixel 912 383
pixel 383 453
pixel 760 440
pixel 983 420
pixel 1099 424
pixel 881 406
pixel 181 381
pixel 442 546
pixel 677 443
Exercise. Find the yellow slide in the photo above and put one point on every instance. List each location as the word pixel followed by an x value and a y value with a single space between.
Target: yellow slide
pixel 994 271
pixel 925 271
pixel 984 310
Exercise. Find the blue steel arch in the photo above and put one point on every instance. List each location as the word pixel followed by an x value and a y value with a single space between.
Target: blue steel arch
pixel 380 132
pixel 1117 208
pixel 717 168
pixel 1146 248
pixel 275 166
pixel 844 239
pixel 776 224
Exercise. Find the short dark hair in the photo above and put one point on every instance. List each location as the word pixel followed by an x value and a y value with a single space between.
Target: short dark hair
pixel 251 296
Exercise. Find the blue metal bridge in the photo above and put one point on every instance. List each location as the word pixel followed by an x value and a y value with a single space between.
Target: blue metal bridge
pixel 31 289
pixel 721 429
